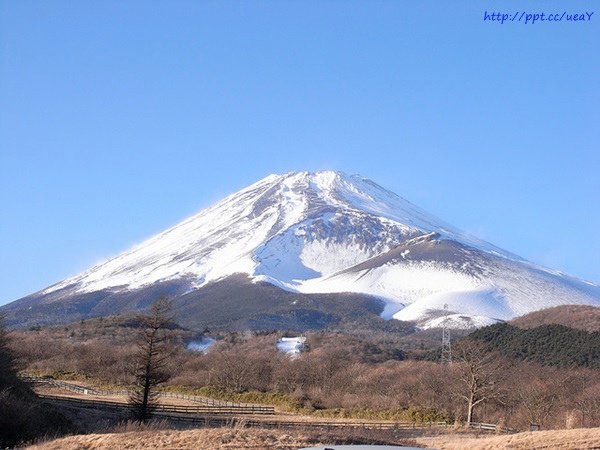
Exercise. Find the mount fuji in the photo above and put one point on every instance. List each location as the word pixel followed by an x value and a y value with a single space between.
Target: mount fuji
pixel 293 250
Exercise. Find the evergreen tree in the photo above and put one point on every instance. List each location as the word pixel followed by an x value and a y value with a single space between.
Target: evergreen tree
pixel 150 364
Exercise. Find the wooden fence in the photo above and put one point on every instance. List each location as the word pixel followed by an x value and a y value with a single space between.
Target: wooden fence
pixel 202 414
pixel 175 409
pixel 209 417
pixel 491 427
pixel 205 401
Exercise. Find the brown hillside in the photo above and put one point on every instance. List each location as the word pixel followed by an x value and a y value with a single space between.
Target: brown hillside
pixel 582 317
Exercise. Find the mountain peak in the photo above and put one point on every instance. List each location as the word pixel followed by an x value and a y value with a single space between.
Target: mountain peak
pixel 327 232
pixel 325 179
pixel 269 230
pixel 322 178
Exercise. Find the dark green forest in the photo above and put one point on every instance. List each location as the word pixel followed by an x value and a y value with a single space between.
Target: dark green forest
pixel 551 345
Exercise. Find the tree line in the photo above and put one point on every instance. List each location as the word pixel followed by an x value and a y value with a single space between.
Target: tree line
pixel 552 345
pixel 341 375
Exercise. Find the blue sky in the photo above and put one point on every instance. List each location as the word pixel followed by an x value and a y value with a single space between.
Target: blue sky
pixel 118 119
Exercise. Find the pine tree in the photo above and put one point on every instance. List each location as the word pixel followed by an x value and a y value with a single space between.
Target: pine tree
pixel 150 362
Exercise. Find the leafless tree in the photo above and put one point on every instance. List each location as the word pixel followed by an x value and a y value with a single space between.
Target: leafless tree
pixel 150 362
pixel 479 372
pixel 589 405
pixel 8 360
pixel 539 399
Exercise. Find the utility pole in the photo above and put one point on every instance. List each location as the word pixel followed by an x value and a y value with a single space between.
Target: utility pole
pixel 446 346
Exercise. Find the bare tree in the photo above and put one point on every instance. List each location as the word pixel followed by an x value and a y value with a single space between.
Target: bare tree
pixel 8 360
pixel 479 372
pixel 150 362
pixel 589 405
pixel 539 400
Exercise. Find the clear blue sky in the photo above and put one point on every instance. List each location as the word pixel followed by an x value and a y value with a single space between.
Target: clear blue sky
pixel 120 118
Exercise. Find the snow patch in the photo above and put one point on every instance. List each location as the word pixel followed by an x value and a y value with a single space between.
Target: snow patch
pixel 458 322
pixel 291 346
pixel 477 302
pixel 203 345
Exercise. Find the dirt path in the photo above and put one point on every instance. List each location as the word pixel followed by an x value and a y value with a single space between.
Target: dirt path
pixel 279 416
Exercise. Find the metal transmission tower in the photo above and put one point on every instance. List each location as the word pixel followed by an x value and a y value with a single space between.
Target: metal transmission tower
pixel 446 347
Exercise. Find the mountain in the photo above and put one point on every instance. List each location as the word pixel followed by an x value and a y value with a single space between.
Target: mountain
pixel 580 317
pixel 281 250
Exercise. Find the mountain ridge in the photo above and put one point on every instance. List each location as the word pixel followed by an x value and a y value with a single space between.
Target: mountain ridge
pixel 332 233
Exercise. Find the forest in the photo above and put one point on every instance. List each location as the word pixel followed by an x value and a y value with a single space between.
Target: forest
pixel 340 375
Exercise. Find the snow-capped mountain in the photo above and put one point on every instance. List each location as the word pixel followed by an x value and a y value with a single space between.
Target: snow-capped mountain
pixel 327 232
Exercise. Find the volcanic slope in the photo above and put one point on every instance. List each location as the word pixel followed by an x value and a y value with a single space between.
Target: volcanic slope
pixel 314 236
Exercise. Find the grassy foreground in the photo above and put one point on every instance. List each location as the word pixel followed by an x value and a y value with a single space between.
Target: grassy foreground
pixel 581 438
pixel 228 438
pixel 220 438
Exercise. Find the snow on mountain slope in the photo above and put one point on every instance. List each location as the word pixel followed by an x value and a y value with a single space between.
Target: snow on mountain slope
pixel 428 273
pixel 329 232
pixel 260 227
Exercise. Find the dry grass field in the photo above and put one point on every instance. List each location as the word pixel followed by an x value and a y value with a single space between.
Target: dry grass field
pixel 582 438
pixel 221 438
pixel 228 438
